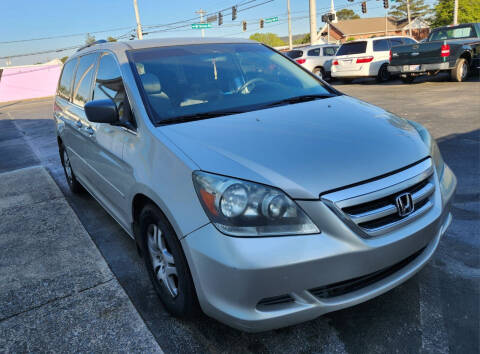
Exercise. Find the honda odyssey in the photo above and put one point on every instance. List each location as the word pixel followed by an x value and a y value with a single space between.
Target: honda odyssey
pixel 253 190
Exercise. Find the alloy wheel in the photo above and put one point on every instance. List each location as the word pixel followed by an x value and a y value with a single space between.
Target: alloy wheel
pixel 67 166
pixel 162 260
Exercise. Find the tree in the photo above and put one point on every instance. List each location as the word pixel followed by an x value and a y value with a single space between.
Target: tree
pixel 418 8
pixel 346 14
pixel 468 11
pixel 270 39
pixel 111 39
pixel 89 39
pixel 64 59
pixel 304 40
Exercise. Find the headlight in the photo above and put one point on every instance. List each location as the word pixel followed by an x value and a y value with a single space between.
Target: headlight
pixel 432 145
pixel 241 208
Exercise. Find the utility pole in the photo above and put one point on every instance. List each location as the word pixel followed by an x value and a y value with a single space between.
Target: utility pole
pixel 201 12
pixel 137 16
pixel 313 22
pixel 409 19
pixel 289 26
pixel 455 13
pixel 386 22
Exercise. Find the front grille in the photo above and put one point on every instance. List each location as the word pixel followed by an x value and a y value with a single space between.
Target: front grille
pixel 372 206
pixel 351 285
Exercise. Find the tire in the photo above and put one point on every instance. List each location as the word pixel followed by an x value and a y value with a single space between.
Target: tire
pixel 319 72
pixel 383 74
pixel 166 264
pixel 72 181
pixel 460 72
pixel 407 79
pixel 347 81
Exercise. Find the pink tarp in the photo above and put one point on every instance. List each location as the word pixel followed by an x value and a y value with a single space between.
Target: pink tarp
pixel 19 83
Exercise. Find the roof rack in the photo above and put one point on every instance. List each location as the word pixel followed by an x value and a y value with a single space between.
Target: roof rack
pixel 100 41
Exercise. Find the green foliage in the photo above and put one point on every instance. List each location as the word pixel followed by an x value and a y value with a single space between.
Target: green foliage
pixel 349 39
pixel 89 39
pixel 417 8
pixel 270 39
pixel 346 14
pixel 468 11
pixel 111 39
pixel 64 59
pixel 304 40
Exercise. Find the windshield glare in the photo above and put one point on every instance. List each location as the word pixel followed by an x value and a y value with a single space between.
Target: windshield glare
pixel 182 81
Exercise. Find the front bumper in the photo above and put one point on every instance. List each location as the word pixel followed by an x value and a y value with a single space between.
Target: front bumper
pixel 419 69
pixel 232 275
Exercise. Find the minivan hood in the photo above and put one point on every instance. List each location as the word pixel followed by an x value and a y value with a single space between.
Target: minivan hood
pixel 304 149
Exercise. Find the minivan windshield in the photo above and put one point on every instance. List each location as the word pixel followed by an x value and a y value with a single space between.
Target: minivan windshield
pixel 188 82
pixel 352 48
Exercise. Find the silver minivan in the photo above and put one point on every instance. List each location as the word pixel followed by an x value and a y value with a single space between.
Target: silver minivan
pixel 254 191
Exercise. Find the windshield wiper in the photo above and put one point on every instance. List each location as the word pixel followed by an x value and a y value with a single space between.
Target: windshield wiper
pixel 299 99
pixel 196 116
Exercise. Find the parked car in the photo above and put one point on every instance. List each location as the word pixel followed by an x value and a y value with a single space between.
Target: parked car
pixel 455 49
pixel 366 58
pixel 316 58
pixel 252 189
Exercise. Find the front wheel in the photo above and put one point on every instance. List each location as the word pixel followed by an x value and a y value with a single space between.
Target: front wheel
pixel 72 181
pixel 166 264
pixel 460 72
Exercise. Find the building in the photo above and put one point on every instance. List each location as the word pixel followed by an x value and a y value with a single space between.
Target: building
pixel 29 81
pixel 374 27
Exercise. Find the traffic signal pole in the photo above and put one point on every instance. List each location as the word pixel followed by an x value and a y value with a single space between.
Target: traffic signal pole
pixel 289 26
pixel 201 12
pixel 455 12
pixel 409 19
pixel 137 16
pixel 313 22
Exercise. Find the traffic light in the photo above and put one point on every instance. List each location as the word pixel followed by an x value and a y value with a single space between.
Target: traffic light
pixel 364 7
pixel 385 4
pixel 234 13
pixel 220 18
pixel 244 25
pixel 261 23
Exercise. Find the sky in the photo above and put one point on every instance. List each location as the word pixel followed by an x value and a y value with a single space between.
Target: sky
pixel 29 19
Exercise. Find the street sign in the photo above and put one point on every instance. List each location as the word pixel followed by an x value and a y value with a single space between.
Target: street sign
pixel 201 25
pixel 271 19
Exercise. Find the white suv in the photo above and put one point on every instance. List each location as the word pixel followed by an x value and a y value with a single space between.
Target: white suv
pixel 316 58
pixel 366 58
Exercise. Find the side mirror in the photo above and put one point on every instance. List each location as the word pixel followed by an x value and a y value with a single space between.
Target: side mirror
pixel 101 111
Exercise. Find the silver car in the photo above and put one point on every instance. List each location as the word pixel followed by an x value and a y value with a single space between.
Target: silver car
pixel 254 191
pixel 316 58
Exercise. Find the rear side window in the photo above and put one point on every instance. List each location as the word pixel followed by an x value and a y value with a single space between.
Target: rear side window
pixel 109 83
pixel 381 45
pixel 352 48
pixel 408 41
pixel 83 79
pixel 329 51
pixel 396 41
pixel 65 85
pixel 314 52
pixel 294 54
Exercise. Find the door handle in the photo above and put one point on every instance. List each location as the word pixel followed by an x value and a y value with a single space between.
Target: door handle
pixel 78 124
pixel 89 130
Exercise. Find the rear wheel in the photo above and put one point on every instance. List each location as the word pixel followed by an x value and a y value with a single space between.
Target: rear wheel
pixel 166 264
pixel 383 74
pixel 408 79
pixel 347 81
pixel 319 72
pixel 460 72
pixel 73 184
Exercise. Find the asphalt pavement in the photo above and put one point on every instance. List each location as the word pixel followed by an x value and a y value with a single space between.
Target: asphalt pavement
pixel 435 311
